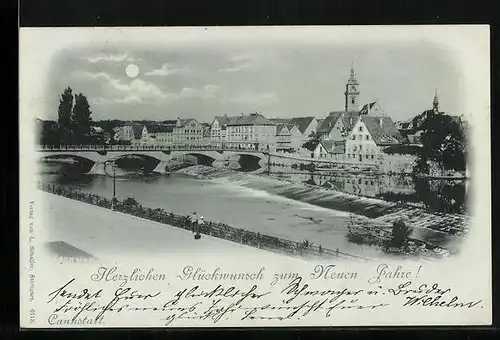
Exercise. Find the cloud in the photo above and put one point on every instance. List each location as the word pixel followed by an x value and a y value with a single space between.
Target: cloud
pixel 242 66
pixel 138 91
pixel 250 60
pixel 168 69
pixel 119 91
pixel 110 57
pixel 100 101
pixel 253 98
pixel 206 92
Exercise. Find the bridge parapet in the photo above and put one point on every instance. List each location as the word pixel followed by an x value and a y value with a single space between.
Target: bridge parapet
pixel 132 148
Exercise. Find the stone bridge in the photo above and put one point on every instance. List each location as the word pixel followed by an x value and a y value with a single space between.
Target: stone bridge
pixel 100 155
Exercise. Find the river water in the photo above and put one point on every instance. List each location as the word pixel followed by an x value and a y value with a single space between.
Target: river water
pixel 244 201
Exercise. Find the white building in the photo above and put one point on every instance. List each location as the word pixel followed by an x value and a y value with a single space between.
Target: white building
pixel 369 136
pixel 288 138
pixel 251 131
pixel 329 150
pixel 218 129
pixel 130 133
pixel 157 135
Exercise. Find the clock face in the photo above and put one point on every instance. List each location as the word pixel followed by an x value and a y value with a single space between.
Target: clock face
pixel 353 88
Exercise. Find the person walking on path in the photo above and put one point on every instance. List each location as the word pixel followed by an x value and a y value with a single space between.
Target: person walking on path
pixel 200 224
pixel 194 221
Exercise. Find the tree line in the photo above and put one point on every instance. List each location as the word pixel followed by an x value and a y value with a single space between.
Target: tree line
pixel 73 124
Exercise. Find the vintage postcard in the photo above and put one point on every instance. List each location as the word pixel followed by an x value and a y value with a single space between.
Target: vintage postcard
pixel 255 176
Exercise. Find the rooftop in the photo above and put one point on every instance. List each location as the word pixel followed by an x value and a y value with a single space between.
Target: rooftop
pixel 302 123
pixel 251 119
pixel 382 130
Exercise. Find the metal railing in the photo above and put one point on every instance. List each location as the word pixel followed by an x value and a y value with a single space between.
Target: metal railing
pixel 184 147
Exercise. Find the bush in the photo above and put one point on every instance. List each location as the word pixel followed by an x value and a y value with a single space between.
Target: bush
pixel 400 234
pixel 130 202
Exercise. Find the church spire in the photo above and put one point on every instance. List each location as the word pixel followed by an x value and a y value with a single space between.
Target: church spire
pixel 435 102
pixel 351 92
pixel 352 77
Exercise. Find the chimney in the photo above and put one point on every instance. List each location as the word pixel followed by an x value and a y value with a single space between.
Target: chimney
pixel 178 121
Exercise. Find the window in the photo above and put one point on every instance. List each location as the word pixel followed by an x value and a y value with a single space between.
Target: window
pixel 360 137
pixel 352 100
pixel 360 147
pixel 367 137
pixel 360 129
pixel 353 137
pixel 372 157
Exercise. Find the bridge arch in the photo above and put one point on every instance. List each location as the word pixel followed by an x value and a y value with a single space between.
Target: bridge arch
pixel 69 162
pixel 203 158
pixel 250 162
pixel 136 161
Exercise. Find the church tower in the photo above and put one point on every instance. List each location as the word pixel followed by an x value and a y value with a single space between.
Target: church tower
pixel 352 92
pixel 435 102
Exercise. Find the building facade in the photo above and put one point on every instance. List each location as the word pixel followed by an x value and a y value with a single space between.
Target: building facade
pixel 306 126
pixel 253 131
pixel 218 129
pixel 329 150
pixel 369 136
pixel 128 134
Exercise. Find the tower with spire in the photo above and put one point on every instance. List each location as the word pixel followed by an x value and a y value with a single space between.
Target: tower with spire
pixel 435 102
pixel 352 92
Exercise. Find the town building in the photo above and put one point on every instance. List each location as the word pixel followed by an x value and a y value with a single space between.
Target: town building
pixel 187 132
pixel 288 138
pixel 218 129
pixel 157 135
pixel 128 134
pixel 252 131
pixel 337 125
pixel 329 150
pixel 306 126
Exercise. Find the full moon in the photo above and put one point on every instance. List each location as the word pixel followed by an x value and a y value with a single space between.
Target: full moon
pixel 132 71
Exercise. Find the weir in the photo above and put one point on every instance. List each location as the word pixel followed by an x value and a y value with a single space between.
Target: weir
pixel 379 210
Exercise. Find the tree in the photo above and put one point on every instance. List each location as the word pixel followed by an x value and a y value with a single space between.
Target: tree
pixel 443 140
pixel 81 119
pixel 400 234
pixel 64 115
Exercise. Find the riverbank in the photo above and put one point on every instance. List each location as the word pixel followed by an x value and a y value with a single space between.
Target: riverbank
pixel 130 206
pixel 105 234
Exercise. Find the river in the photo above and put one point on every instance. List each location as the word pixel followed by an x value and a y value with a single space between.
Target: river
pixel 241 200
